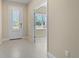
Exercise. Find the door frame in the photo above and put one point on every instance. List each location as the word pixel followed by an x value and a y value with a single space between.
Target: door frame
pixel 9 17
pixel 33 22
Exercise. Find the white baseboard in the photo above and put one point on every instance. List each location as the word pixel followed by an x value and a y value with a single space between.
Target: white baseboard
pixel 50 55
pixel 6 39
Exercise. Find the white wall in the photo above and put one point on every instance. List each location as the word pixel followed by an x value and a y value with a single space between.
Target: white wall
pixel 0 21
pixel 63 16
pixel 6 19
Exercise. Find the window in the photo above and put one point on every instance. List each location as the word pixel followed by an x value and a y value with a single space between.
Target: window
pixel 41 21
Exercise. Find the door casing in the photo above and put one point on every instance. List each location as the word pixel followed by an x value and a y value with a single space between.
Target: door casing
pixel 19 33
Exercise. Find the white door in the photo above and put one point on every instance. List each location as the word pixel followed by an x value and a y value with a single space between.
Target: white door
pixel 15 22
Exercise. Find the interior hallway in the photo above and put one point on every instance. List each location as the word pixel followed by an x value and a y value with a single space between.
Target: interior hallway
pixel 22 48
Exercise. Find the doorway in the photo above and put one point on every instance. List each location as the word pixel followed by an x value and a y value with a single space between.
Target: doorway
pixel 40 27
pixel 15 22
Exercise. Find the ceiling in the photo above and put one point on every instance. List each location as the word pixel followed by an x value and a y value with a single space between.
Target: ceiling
pixel 20 1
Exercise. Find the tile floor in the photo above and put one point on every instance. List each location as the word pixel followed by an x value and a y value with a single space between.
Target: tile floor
pixel 23 49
